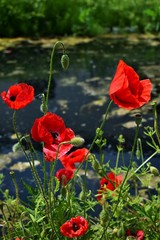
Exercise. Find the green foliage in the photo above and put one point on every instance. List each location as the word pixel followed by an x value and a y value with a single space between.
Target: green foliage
pixel 82 17
pixel 122 205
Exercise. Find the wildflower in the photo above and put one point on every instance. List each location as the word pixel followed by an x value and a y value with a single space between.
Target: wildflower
pixel 18 96
pixel 110 182
pixel 78 155
pixel 51 130
pixel 126 89
pixel 139 235
pixel 75 227
pixel 64 175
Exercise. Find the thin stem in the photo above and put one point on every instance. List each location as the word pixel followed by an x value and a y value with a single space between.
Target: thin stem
pixel 147 160
pixel 124 181
pixel 57 44
pixel 92 144
pixel 141 150
pixel 7 222
pixel 32 167
pixel 154 105
pixel 16 187
pixel 117 159
pixel 45 99
pixel 101 126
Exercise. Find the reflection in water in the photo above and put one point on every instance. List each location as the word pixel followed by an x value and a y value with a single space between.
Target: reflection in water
pixel 80 94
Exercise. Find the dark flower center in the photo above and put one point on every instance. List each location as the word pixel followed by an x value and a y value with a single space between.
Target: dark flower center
pixel 75 227
pixel 54 134
pixel 13 98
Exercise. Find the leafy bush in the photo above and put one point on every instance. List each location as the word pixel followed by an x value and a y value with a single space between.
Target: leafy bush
pixel 82 17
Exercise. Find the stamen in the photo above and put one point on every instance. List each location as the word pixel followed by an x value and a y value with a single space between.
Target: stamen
pixel 13 98
pixel 75 227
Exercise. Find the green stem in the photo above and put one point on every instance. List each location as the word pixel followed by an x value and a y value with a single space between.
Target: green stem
pixel 101 126
pixel 92 144
pixel 31 161
pixel 16 187
pixel 154 105
pixel 7 222
pixel 147 160
pixel 45 100
pixel 117 159
pixel 124 181
pixel 57 44
pixel 32 167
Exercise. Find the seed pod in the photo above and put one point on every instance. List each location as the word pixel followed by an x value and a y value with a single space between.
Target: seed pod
pixel 138 119
pixel 154 171
pixel 65 61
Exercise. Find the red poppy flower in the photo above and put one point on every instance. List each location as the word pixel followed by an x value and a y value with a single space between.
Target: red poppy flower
pixel 75 227
pixel 64 175
pixel 110 182
pixel 139 235
pixel 51 130
pixel 18 96
pixel 78 155
pixel 126 89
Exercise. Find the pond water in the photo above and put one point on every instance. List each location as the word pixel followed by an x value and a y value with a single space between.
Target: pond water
pixel 80 94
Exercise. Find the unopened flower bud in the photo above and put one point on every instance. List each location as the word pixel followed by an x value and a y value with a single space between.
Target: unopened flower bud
pixel 16 147
pixel 154 171
pixel 95 164
pixel 77 141
pixel 11 173
pixel 65 61
pixel 138 154
pixel 43 108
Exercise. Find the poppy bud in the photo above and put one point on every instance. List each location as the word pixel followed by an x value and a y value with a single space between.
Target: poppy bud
pixel 43 108
pixel 95 164
pixel 77 141
pixel 154 171
pixel 11 173
pixel 16 147
pixel 138 153
pixel 65 61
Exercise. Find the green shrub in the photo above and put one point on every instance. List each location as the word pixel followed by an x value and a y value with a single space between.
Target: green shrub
pixel 81 17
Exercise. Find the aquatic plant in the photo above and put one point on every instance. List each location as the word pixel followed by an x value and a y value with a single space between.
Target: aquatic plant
pixel 55 209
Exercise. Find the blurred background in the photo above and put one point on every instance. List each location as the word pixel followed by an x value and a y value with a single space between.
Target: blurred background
pixel 52 18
